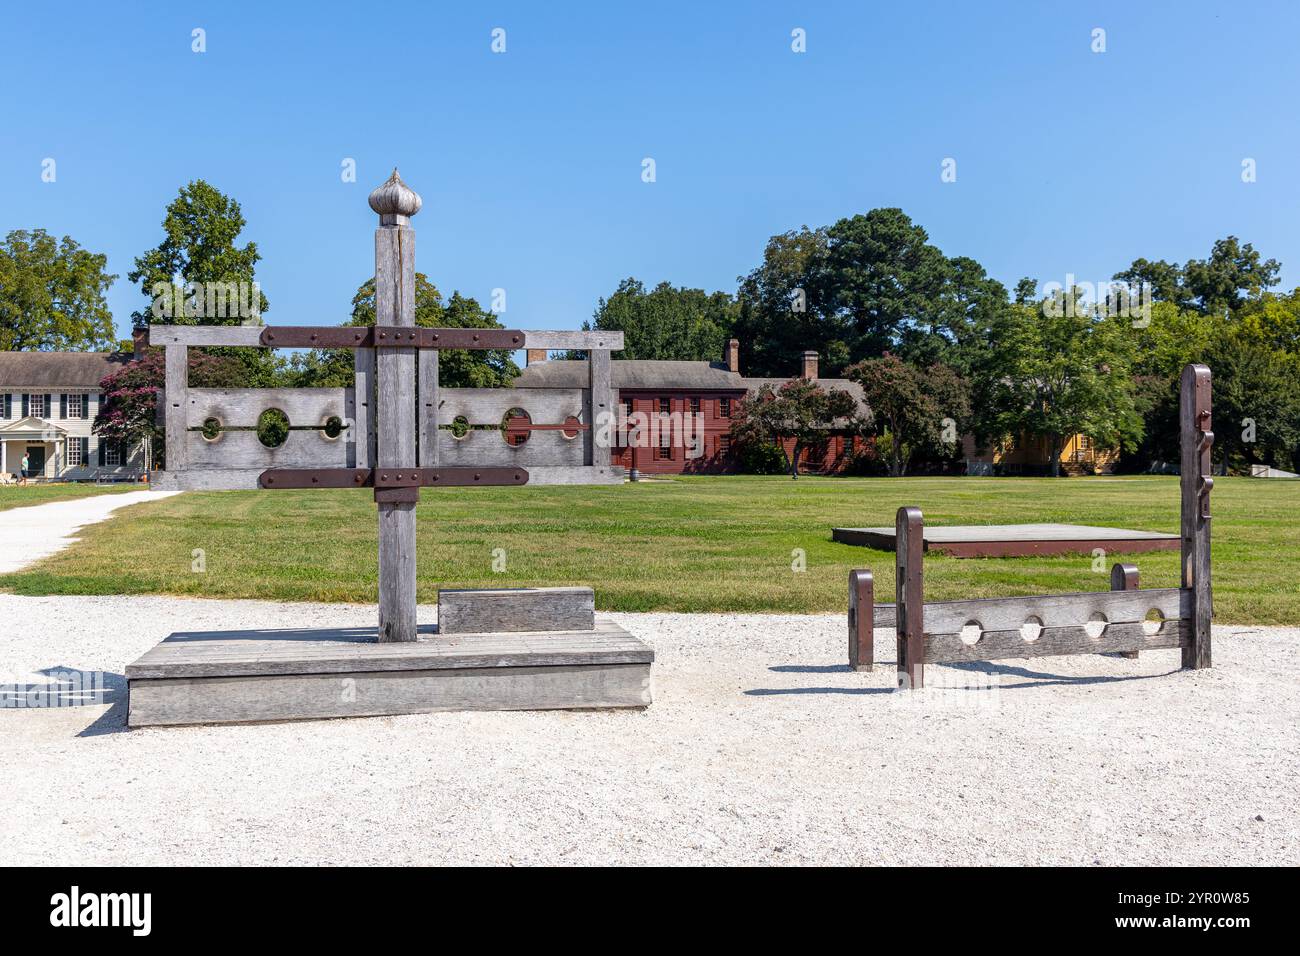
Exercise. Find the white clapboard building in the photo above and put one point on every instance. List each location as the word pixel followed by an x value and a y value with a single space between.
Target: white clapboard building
pixel 48 403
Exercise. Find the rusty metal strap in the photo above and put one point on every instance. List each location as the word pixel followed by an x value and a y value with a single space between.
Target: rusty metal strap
pixel 388 336
pixel 379 478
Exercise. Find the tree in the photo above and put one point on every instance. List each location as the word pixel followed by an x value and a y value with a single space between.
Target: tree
pixel 129 412
pixel 197 275
pixel 457 368
pixel 800 410
pixel 919 410
pixel 1052 373
pixel 52 295
pixel 1256 402
pixel 669 323
pixel 865 285
pixel 1233 275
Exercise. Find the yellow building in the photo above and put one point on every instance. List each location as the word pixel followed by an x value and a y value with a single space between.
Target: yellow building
pixel 1032 455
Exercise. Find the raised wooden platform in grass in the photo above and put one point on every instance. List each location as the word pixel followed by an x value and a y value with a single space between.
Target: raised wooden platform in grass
pixel 1016 540
pixel 220 677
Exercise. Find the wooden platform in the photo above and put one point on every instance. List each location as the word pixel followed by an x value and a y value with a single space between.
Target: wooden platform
pixel 218 677
pixel 1017 540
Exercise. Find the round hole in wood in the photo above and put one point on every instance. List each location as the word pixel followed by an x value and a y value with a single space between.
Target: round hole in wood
pixel 333 427
pixel 459 426
pixel 1153 621
pixel 1096 625
pixel 1032 629
pixel 971 632
pixel 514 427
pixel 211 429
pixel 572 420
pixel 272 428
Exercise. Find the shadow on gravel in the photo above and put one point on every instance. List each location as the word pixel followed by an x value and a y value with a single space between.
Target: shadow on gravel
pixel 987 668
pixel 71 687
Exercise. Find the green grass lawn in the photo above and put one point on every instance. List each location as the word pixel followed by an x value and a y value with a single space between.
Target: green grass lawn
pixel 13 496
pixel 690 544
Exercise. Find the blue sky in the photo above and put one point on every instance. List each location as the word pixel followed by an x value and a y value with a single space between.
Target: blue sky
pixel 530 161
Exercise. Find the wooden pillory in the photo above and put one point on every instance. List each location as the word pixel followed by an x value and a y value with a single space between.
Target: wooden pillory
pixel 395 431
pixel 1125 620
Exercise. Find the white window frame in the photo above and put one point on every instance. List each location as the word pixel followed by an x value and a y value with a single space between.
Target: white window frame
pixel 32 399
pixel 78 405
pixel 112 451
pixel 74 452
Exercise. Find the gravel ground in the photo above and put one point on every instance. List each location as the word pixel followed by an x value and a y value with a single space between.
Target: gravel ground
pixel 761 747
pixel 37 531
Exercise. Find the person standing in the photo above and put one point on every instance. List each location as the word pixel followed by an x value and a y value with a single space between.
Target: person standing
pixel 22 475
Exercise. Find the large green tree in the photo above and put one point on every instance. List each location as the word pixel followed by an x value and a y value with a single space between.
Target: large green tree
pixel 1231 276
pixel 667 322
pixel 914 410
pixel 52 294
pixel 199 275
pixel 1058 372
pixel 851 291
pixel 457 368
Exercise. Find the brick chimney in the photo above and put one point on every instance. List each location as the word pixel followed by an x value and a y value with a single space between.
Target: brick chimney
pixel 809 366
pixel 535 356
pixel 139 340
pixel 732 355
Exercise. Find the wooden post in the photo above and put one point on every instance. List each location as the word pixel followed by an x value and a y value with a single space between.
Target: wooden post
pixel 395 203
pixel 1196 439
pixel 909 599
pixel 363 416
pixel 428 408
pixel 601 403
pixel 862 616
pixel 177 377
pixel 1124 577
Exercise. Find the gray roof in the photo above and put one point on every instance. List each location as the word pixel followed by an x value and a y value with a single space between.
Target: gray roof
pixel 830 384
pixel 666 376
pixel 633 373
pixel 58 369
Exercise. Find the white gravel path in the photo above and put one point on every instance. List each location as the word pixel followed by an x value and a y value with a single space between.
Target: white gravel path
pixel 28 534
pixel 760 748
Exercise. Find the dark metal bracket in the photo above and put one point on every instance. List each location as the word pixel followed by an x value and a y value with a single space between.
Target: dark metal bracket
pixel 393 485
pixel 388 336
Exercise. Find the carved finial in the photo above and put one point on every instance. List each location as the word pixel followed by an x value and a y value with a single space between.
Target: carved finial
pixel 395 199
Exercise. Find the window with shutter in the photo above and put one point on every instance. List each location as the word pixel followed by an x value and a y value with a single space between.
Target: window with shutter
pixel 35 406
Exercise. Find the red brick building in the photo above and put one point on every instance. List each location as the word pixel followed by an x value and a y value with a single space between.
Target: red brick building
pixel 695 399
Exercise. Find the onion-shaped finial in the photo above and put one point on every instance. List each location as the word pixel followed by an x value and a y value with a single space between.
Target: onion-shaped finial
pixel 395 198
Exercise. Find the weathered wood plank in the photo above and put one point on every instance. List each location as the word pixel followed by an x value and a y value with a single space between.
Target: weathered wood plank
pixel 996 645
pixel 208 479
pixel 242 449
pixel 488 406
pixel 602 422
pixel 211 700
pixel 364 435
pixel 909 598
pixel 216 335
pixel 464 611
pixel 331 650
pixel 1196 440
pixel 575 475
pixel 1053 610
pixel 176 376
pixel 861 620
pixel 241 407
pixel 428 411
pixel 490 448
pixel 1124 577
pixel 599 339
pixel 396 419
